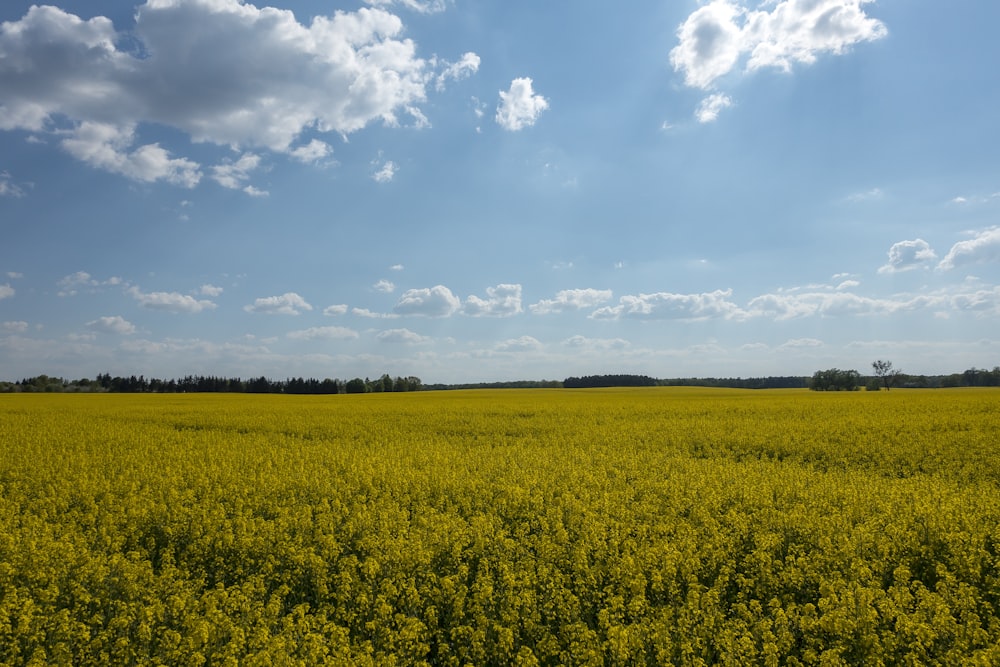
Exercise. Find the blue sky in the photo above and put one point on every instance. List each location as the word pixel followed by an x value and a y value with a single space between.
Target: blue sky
pixel 480 191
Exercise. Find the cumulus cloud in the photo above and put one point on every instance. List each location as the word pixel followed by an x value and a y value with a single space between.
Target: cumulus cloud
pixel 112 325
pixel 224 72
pixel 437 301
pixel 717 36
pixel 314 151
pixel 324 333
pixel 107 146
pixel 210 290
pixel 234 175
pixel 571 299
pixel 6 291
pixel 172 302
pixel 385 286
pixel 288 303
pixel 335 310
pixel 710 108
pixel 520 107
pixel 501 301
pixel 907 255
pixel 666 306
pixel 983 247
pixel 793 305
pixel 522 344
pixel 18 326
pixel 404 336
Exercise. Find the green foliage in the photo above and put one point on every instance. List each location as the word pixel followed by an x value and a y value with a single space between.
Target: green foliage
pixel 597 527
pixel 835 379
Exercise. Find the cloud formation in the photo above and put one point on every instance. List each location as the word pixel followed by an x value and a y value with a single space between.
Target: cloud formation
pixel 437 301
pixel 171 302
pixel 323 333
pixel 222 71
pixel 6 291
pixel 400 336
pixel 501 301
pixel 112 325
pixel 710 108
pixel 778 33
pixel 908 255
pixel 983 247
pixel 571 299
pixel 520 106
pixel 288 303
pixel 669 306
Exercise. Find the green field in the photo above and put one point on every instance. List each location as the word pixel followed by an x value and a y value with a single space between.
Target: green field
pixel 585 527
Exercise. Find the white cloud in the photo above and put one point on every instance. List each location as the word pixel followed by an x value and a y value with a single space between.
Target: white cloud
pixel 437 301
pixel 335 310
pixel 600 344
pixel 172 302
pixel 7 187
pixel 6 291
pixel 983 247
pixel 112 325
pixel 787 306
pixel 234 175
pixel 848 284
pixel 717 36
pixel 907 255
pixel 108 146
pixel 324 333
pixel 404 336
pixel 386 173
pixel 396 267
pixel 18 326
pixel 666 305
pixel 371 314
pixel 501 301
pixel 571 299
pixel 464 68
pixel 14 275
pixel 519 107
pixel 799 343
pixel 385 286
pixel 710 43
pixel 522 344
pixel 210 290
pixel 69 285
pixel 710 107
pixel 288 303
pixel 224 72
pixel 314 151
pixel 421 6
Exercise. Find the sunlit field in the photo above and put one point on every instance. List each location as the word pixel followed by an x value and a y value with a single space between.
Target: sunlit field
pixel 579 527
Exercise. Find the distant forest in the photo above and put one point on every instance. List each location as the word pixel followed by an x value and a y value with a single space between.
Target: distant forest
pixel 105 382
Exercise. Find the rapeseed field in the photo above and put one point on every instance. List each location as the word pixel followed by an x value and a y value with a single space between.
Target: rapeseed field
pixel 521 527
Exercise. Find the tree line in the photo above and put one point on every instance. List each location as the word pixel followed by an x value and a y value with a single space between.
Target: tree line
pixel 133 384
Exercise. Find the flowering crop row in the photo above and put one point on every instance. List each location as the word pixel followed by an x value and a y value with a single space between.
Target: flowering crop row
pixel 534 527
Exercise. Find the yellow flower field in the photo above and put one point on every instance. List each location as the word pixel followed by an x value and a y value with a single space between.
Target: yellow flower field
pixel 514 527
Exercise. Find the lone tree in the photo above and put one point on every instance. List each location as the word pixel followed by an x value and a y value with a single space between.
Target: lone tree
pixel 885 371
